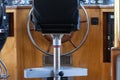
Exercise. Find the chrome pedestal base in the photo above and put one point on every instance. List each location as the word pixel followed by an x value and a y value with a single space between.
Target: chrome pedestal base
pixel 45 72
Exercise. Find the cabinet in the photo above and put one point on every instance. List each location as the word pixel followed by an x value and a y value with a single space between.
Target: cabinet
pixel 106 65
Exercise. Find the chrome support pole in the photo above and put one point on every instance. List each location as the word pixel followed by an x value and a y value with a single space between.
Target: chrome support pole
pixel 57 71
pixel 56 44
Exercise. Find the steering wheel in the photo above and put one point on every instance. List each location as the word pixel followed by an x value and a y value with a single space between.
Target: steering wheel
pixel 67 38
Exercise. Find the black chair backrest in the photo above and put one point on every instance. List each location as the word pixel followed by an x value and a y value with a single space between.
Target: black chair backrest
pixel 56 16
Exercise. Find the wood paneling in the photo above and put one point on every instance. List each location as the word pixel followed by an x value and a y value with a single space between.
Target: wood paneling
pixel 8 55
pixel 19 53
pixel 106 71
pixel 115 53
pixel 88 56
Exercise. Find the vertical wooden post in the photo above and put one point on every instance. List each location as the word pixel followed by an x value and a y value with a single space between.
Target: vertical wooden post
pixel 117 22
pixel 116 51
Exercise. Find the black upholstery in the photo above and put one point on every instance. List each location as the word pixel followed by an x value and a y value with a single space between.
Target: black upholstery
pixel 3 26
pixel 56 16
pixel 0 14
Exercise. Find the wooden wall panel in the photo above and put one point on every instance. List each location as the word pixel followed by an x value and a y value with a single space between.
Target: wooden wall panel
pixel 88 56
pixel 8 55
pixel 25 55
pixel 106 71
pixel 106 66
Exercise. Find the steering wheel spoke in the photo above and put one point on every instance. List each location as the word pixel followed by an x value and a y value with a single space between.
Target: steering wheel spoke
pixel 73 43
pixel 49 47
pixel 32 29
pixel 84 21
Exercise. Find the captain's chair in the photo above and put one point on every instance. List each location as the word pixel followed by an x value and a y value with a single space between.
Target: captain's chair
pixel 56 16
